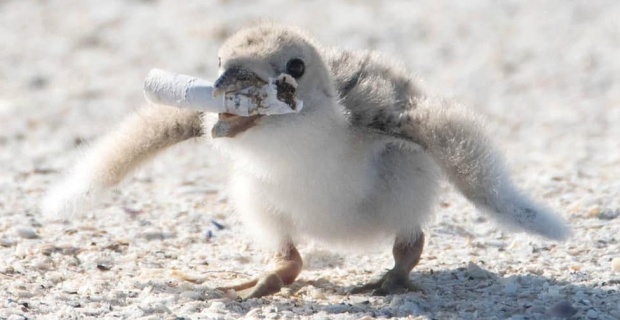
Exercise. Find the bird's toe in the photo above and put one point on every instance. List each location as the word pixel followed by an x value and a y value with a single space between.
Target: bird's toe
pixel 266 285
pixel 391 283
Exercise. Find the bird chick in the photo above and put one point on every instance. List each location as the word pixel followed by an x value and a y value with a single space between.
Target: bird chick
pixel 360 161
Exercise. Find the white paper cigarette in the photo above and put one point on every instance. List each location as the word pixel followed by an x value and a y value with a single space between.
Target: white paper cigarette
pixel 185 91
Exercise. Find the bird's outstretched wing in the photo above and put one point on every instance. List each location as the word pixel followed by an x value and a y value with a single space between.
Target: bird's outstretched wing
pixel 384 98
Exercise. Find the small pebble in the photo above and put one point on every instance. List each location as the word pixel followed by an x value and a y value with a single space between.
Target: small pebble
pixel 592 314
pixel 218 225
pixel 231 294
pixel 554 291
pixel 74 304
pixel 337 308
pixel 316 294
pixel 43 264
pixel 193 295
pixel 92 312
pixel 217 306
pixel 27 233
pixel 104 267
pixel 563 309
pixel 155 234
pixel 358 299
pixel 496 243
pixel 511 285
pixel 254 313
pixel 476 272
pixel 594 212
pixel 396 302
pixel 70 287
pixel 615 264
pixel 286 314
pixel 409 307
pixel 609 214
pixel 54 277
pixel 6 243
pixel 535 270
pixel 24 294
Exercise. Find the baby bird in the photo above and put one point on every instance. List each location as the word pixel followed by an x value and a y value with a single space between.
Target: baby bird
pixel 361 160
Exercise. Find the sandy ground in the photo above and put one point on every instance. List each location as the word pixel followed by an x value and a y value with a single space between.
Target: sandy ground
pixel 546 74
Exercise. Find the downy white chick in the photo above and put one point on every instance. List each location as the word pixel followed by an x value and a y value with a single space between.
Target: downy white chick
pixel 360 161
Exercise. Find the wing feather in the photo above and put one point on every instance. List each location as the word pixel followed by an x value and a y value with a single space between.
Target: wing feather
pixel 382 97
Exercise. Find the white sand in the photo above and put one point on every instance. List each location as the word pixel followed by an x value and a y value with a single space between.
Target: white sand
pixel 546 74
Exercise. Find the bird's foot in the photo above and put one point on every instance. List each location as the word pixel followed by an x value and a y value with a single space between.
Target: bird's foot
pixel 392 282
pixel 288 265
pixel 263 286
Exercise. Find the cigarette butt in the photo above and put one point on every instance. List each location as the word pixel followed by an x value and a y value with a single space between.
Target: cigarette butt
pixel 183 91
pixel 178 90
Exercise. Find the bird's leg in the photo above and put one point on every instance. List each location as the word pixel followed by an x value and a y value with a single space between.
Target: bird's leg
pixel 288 265
pixel 406 256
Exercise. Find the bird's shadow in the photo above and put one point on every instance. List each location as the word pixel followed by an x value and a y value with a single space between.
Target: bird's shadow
pixel 457 294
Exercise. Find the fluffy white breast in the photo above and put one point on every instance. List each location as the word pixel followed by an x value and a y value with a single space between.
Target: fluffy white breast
pixel 310 174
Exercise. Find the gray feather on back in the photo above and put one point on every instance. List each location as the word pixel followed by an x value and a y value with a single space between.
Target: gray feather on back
pixel 379 95
pixel 375 92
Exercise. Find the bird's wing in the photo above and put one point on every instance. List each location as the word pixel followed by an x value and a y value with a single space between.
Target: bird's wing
pixel 374 91
pixel 382 97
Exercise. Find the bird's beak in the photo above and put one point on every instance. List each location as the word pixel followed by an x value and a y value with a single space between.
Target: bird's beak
pixel 236 78
pixel 231 80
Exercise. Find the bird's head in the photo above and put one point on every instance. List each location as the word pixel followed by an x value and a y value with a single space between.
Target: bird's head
pixel 252 56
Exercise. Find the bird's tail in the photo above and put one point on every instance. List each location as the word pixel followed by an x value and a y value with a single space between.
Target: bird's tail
pixel 456 141
pixel 110 159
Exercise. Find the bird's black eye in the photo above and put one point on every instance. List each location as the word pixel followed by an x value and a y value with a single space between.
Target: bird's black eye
pixel 295 67
pixel 219 62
